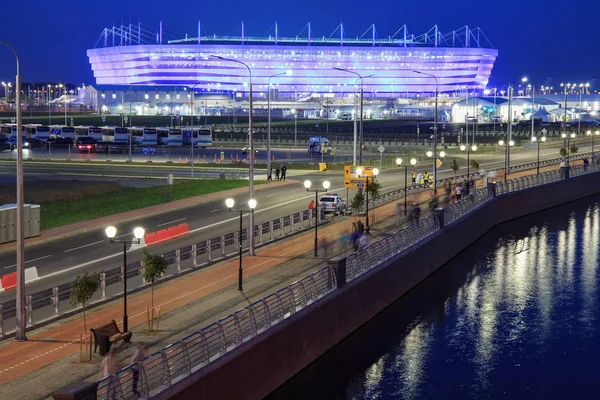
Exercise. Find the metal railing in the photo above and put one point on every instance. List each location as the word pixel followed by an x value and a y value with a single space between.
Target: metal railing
pixel 468 203
pixel 161 369
pixel 380 251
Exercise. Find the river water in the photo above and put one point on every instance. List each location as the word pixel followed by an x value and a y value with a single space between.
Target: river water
pixel 513 316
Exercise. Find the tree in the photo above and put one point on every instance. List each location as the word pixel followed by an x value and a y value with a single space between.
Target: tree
pixel 82 291
pixel 455 166
pixel 475 165
pixel 574 149
pixel 154 266
pixel 374 189
pixel 563 152
pixel 357 201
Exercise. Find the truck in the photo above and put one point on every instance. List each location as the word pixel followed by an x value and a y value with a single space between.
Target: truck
pixel 318 145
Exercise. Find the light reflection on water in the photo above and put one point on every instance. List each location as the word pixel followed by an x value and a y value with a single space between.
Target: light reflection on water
pixel 513 316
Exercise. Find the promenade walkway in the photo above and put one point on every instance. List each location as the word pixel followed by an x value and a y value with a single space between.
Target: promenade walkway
pixel 50 359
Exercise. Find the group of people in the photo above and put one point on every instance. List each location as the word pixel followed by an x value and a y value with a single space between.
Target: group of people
pixel 460 190
pixel 424 179
pixel 280 173
pixel 360 236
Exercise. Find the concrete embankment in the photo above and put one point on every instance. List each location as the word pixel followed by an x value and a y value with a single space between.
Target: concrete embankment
pixel 262 364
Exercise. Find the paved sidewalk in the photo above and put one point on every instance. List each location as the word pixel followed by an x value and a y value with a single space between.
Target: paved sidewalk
pixel 65 231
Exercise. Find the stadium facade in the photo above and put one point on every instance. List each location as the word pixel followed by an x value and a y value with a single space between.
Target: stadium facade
pixel 457 59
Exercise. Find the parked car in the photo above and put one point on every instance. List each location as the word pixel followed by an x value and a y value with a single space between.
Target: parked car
pixel 4 145
pixel 333 203
pixel 112 147
pixel 35 142
pixel 12 142
pixel 246 150
pixel 58 141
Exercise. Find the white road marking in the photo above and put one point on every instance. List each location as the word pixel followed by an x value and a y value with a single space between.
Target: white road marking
pixel 171 222
pixel 125 234
pixel 85 245
pixel 35 259
pixel 214 210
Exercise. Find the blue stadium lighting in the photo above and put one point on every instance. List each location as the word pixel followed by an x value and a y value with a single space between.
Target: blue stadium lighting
pixel 391 62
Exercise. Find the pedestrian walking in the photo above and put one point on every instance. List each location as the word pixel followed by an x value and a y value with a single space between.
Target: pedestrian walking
pixel 283 172
pixel 397 214
pixel 459 191
pixel 413 175
pixel 323 246
pixel 270 175
pixel 311 205
pixel 345 239
pixel 361 227
pixel 277 174
pixel 110 365
pixel 363 241
pixel 586 162
pixel 417 213
pixel 138 355
pixel 354 239
pixel 426 179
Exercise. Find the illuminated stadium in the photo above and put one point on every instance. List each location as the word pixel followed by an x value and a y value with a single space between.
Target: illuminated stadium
pixel 460 59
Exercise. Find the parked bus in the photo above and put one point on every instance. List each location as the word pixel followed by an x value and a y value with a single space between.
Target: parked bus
pixel 142 135
pixel 63 131
pixel 38 131
pixel 199 137
pixel 115 134
pixel 169 136
pixel 88 131
pixel 10 130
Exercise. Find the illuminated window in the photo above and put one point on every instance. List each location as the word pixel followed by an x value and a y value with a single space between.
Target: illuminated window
pixel 103 96
pixel 146 96
pixel 178 97
pixel 114 95
pixel 168 96
pixel 156 96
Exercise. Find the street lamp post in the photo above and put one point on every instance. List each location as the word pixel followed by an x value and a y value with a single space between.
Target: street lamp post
pixel 506 146
pixel 568 140
pixel 468 149
pixel 251 154
pixel 252 205
pixel 413 161
pixel 360 134
pixel 60 85
pixel 524 80
pixel 192 128
pixel 138 234
pixel 49 106
pixel 359 172
pixel 533 140
pixel 307 185
pixel 435 129
pixel 589 133
pixel 20 301
pixel 269 120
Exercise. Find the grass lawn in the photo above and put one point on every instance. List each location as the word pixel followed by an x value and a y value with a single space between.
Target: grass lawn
pixel 120 199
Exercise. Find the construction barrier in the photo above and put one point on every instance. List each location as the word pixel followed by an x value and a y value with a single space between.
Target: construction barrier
pixel 31 274
pixel 9 281
pixel 166 234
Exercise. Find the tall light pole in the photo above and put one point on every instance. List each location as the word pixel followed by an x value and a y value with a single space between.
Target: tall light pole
pixel 435 129
pixel 579 110
pixel 49 106
pixel 359 172
pixel 250 155
pixel 539 144
pixel 20 306
pixel 589 133
pixel 252 205
pixel 60 85
pixel 360 140
pixel 307 185
pixel 192 128
pixel 506 162
pixel 138 234
pixel 413 161
pixel 468 149
pixel 524 79
pixel 289 72
pixel 564 122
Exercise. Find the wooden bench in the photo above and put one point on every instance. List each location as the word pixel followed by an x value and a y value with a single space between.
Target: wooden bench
pixel 106 335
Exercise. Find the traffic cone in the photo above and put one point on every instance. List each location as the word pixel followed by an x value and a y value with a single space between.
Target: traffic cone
pixel 273 157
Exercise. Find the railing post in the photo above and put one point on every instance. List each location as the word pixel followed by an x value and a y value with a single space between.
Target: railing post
pixel 339 267
pixel 209 249
pixel 223 245
pixel 492 189
pixel 564 171
pixel 194 256
pixel 55 300
pixel 301 220
pixel 270 230
pixel 292 222
pixel 281 226
pixel 440 212
pixel 29 308
pixel 178 259
pixel 103 284
pixel 236 240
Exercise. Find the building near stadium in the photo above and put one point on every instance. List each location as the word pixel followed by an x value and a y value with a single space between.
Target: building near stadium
pixel 460 60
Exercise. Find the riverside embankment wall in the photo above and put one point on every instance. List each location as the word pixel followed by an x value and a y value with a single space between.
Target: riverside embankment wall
pixel 261 365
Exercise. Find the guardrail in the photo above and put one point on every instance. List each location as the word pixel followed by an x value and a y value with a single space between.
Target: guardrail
pixel 178 360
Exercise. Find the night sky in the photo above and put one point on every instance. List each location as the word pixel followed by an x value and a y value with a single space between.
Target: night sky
pixel 545 40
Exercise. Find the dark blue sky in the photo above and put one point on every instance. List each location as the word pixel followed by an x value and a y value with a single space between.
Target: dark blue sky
pixel 540 39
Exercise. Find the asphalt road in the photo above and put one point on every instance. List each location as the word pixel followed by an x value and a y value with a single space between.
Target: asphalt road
pixel 60 261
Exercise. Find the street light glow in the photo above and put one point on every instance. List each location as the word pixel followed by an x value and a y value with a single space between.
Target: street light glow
pixel 326 185
pixel 139 232
pixel 359 171
pixel 511 143
pixel 573 135
pixel 442 154
pixel 430 154
pixel 307 184
pixel 398 161
pixel 474 148
pixel 252 204
pixel 501 142
pixel 413 161
pixel 533 138
pixel 229 203
pixel 111 232
pixel 543 138
pixel 463 147
pixel 375 172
